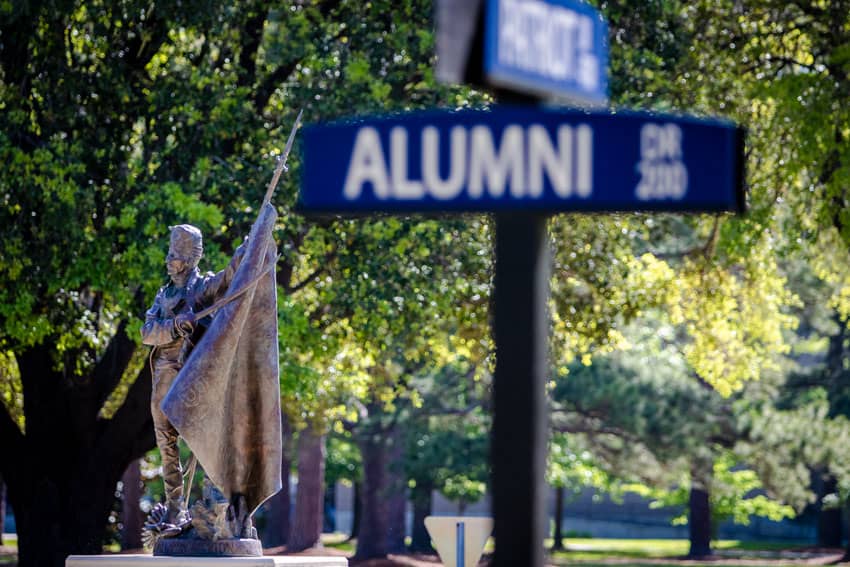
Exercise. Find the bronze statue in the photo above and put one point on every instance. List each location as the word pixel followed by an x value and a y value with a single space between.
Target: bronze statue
pixel 216 385
pixel 171 328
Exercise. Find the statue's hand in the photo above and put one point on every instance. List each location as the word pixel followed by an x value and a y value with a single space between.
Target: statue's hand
pixel 184 323
pixel 240 250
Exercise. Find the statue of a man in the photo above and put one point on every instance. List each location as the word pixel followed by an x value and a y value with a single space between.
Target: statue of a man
pixel 170 327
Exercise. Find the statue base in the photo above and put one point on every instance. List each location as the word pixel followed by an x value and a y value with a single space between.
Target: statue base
pixel 179 547
pixel 150 561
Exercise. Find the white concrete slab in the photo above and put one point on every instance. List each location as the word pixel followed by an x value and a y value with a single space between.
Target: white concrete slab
pixel 151 561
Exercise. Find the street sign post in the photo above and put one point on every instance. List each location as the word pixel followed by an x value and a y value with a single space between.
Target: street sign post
pixel 523 158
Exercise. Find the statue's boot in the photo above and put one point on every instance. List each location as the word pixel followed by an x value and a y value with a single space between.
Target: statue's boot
pixel 177 521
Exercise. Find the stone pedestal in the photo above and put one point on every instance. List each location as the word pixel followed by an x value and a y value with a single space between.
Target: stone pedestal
pixel 151 561
pixel 179 547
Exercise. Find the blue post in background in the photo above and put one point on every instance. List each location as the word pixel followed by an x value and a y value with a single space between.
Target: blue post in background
pixel 461 552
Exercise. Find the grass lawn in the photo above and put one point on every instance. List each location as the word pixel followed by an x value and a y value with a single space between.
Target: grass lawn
pixel 599 552
pixel 593 548
pixel 9 550
pixel 591 552
pixel 338 541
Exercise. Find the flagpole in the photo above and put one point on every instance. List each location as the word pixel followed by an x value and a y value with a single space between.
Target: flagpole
pixel 281 160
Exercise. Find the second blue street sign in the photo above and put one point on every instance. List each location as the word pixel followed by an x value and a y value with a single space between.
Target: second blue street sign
pixel 517 158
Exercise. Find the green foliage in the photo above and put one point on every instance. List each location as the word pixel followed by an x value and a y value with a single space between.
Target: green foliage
pixel 736 321
pixel 573 467
pixel 785 446
pixel 462 489
pixel 342 462
pixel 780 70
pixel 728 290
pixel 11 389
pixel 735 494
pixel 386 295
pixel 643 395
pixel 138 116
pixel 637 420
pixel 447 435
pixel 731 312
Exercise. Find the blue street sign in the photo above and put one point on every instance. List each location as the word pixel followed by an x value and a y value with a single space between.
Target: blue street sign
pixel 523 158
pixel 547 47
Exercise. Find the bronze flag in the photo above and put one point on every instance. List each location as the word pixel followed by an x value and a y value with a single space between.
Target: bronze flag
pixel 225 402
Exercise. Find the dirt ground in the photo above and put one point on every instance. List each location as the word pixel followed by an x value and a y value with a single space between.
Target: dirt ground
pixel 405 560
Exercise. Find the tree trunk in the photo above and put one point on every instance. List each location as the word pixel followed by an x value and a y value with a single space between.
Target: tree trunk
pixel 63 478
pixel 307 527
pixel 829 518
pixel 846 556
pixel 374 520
pixel 396 492
pixel 699 522
pixel 2 509
pixel 131 513
pixel 357 512
pixel 278 525
pixel 558 531
pixel 420 540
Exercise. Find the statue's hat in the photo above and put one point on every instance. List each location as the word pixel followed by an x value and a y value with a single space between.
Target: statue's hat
pixel 187 242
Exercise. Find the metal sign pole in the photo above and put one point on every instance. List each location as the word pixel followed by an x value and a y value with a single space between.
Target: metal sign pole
pixel 461 545
pixel 518 441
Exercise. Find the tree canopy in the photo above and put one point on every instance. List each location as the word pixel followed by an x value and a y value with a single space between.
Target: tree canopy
pixel 120 119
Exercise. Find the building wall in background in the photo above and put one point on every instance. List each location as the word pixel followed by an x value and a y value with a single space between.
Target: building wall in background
pixel 593 515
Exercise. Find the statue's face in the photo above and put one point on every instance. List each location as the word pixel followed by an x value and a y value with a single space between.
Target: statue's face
pixel 175 265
